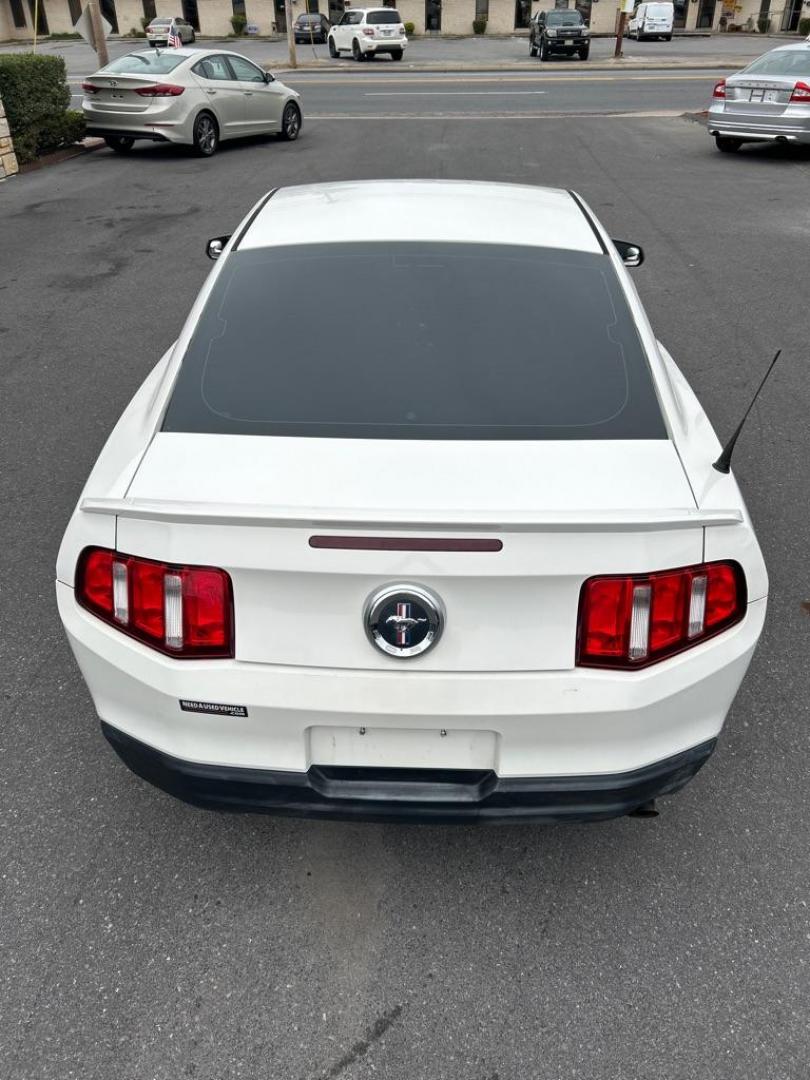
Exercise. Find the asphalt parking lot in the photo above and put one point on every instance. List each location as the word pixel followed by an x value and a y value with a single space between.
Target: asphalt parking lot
pixel 141 938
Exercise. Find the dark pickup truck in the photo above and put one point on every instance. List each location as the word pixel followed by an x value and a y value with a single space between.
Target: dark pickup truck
pixel 559 32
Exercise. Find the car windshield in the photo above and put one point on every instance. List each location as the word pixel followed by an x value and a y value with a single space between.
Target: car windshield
pixel 308 18
pixel 451 341
pixel 791 62
pixel 390 15
pixel 160 22
pixel 151 63
pixel 563 18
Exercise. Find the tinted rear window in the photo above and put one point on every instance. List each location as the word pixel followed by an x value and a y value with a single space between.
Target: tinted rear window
pixel 146 63
pixel 389 16
pixel 416 341
pixel 791 62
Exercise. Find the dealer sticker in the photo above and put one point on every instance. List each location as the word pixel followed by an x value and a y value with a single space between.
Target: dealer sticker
pixel 212 707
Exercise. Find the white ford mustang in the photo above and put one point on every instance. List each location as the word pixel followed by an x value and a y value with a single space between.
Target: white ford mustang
pixel 454 550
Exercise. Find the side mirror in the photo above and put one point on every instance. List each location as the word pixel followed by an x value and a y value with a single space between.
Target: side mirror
pixel 268 78
pixel 630 254
pixel 215 247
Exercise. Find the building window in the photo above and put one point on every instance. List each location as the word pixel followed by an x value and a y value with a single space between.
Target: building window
pixel 18 13
pixel 482 9
pixel 107 8
pixel 584 8
pixel 239 8
pixel 433 16
pixel 38 11
pixel 75 7
pixel 149 10
pixel 523 14
pixel 191 14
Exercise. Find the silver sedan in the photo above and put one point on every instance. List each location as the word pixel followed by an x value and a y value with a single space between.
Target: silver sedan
pixel 769 101
pixel 196 97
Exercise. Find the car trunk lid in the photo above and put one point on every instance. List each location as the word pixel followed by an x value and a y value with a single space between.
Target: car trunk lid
pixel 562 512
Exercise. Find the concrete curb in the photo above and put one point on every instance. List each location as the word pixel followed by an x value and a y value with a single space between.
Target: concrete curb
pixel 87 146
pixel 325 67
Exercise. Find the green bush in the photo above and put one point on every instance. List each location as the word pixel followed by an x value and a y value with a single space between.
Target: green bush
pixel 480 24
pixel 410 29
pixel 804 27
pixel 36 97
pixel 238 22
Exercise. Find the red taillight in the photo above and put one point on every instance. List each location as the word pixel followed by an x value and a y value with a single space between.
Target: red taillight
pixel 719 89
pixel 632 621
pixel 801 93
pixel 160 90
pixel 89 88
pixel 184 611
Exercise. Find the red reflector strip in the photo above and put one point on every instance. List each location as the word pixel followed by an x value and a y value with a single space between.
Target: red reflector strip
pixel 401 543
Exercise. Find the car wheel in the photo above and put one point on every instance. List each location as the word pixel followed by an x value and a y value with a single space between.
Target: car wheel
pixel 585 53
pixel 121 144
pixel 396 54
pixel 532 47
pixel 727 144
pixel 543 50
pixel 332 50
pixel 193 37
pixel 357 52
pixel 291 122
pixel 206 135
pixel 668 37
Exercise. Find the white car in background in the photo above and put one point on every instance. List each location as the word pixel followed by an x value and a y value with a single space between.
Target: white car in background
pixel 195 97
pixel 369 32
pixel 463 559
pixel 652 20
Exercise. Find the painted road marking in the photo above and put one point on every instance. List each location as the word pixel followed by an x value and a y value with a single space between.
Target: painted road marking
pixel 454 93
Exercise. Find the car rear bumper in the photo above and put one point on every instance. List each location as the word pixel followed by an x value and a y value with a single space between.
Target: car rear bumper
pixel 428 795
pixel 110 132
pixel 753 127
pixel 385 46
pixel 247 715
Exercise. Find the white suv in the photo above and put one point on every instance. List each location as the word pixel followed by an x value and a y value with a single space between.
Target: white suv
pixel 366 32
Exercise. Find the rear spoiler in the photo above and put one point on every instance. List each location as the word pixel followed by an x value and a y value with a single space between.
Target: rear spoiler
pixel 461 520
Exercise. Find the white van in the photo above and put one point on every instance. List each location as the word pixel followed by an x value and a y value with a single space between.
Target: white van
pixel 652 20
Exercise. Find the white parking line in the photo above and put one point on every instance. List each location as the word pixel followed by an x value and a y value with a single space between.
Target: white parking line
pixel 454 93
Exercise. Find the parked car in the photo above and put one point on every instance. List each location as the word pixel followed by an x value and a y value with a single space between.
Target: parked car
pixel 559 32
pixel 196 97
pixel 311 26
pixel 769 101
pixel 654 20
pixel 429 563
pixel 368 32
pixel 157 32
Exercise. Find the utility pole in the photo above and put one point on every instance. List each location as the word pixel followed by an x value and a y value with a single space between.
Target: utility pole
pixel 617 52
pixel 288 15
pixel 99 40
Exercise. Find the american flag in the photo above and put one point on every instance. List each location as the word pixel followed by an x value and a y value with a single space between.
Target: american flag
pixel 175 41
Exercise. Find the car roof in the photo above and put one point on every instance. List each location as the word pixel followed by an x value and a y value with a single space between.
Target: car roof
pixel 424 210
